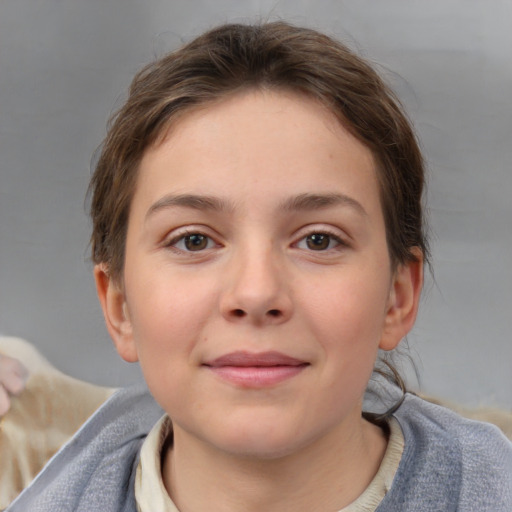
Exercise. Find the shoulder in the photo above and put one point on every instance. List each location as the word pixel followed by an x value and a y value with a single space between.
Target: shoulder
pixel 94 471
pixel 450 462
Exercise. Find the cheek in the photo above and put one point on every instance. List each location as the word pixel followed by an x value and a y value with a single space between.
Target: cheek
pixel 167 313
pixel 347 316
pixel 352 310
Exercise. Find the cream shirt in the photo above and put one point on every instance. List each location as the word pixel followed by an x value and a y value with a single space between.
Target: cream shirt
pixel 151 495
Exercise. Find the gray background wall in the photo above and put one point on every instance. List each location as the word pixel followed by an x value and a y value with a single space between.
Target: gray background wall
pixel 64 65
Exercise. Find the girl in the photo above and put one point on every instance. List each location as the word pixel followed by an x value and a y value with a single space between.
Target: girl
pixel 257 238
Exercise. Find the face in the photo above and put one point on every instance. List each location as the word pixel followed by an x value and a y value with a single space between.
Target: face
pixel 257 283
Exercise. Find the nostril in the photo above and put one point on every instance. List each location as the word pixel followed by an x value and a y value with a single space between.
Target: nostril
pixel 239 313
pixel 274 312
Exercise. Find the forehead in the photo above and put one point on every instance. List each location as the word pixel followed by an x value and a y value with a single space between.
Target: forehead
pixel 281 142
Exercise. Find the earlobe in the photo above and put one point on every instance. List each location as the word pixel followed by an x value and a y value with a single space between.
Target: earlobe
pixel 116 313
pixel 403 303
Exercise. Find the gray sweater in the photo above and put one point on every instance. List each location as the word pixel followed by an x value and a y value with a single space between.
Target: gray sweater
pixel 449 463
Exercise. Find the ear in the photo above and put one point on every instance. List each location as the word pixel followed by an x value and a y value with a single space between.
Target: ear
pixel 115 311
pixel 404 297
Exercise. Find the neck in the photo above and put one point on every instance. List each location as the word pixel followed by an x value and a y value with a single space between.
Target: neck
pixel 328 474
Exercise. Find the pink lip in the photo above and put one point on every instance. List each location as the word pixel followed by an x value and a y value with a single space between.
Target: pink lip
pixel 255 370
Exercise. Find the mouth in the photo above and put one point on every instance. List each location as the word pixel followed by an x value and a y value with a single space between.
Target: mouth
pixel 256 370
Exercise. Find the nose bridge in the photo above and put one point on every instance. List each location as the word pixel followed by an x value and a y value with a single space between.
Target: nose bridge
pixel 256 288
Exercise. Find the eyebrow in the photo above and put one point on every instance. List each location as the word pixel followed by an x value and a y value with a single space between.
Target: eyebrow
pixel 302 202
pixel 321 201
pixel 196 202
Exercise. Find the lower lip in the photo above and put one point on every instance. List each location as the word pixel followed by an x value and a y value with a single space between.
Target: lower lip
pixel 257 376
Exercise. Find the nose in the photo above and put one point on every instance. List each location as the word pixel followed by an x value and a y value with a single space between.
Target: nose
pixel 256 289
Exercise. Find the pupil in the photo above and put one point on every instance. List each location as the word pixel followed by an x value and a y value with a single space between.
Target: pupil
pixel 318 241
pixel 195 242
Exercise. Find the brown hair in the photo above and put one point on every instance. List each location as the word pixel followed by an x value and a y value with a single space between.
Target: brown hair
pixel 272 56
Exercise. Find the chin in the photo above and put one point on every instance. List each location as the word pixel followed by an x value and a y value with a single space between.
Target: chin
pixel 259 440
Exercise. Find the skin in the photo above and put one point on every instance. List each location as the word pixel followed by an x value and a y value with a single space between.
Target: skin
pixel 277 170
pixel 13 376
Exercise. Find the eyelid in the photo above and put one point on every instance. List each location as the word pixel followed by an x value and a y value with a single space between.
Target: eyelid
pixel 337 235
pixel 324 229
pixel 172 238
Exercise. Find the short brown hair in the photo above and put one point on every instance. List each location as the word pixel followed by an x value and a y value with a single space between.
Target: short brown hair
pixel 274 56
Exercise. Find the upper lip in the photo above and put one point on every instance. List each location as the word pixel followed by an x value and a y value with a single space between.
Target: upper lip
pixel 250 359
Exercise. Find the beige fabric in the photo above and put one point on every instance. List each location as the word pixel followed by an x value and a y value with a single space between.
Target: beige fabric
pixel 151 495
pixel 381 483
pixel 150 492
pixel 502 418
pixel 41 419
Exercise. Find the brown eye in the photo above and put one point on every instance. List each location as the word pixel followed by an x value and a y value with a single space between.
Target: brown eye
pixel 195 242
pixel 318 241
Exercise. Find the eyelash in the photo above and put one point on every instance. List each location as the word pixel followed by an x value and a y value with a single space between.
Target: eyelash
pixel 210 242
pixel 332 237
pixel 182 237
